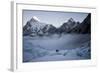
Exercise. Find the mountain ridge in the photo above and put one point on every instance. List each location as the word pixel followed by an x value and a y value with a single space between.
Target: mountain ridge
pixel 35 27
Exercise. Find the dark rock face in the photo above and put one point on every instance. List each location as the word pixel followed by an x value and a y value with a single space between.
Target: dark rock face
pixel 84 27
pixel 86 24
pixel 27 29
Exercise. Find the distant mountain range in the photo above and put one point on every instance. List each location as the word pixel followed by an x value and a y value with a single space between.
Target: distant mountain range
pixel 34 27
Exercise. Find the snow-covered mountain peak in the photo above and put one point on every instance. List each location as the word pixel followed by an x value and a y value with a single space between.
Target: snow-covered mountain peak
pixel 34 18
pixel 71 20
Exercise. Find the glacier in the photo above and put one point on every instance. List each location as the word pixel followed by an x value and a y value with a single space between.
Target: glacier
pixel 55 48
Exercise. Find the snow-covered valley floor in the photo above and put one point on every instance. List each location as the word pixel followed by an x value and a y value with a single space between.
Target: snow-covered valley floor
pixel 56 48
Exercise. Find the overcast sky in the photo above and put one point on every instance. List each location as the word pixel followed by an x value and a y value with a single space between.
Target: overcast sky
pixel 52 17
